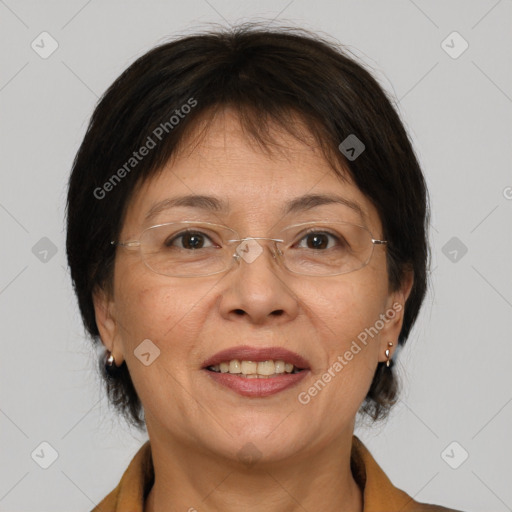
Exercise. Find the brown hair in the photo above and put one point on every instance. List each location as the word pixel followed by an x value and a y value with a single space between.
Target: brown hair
pixel 268 76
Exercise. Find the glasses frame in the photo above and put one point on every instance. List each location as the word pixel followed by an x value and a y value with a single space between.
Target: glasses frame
pixel 276 251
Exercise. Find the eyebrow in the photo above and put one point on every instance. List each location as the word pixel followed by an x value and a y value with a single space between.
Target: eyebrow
pixel 214 204
pixel 201 202
pixel 309 201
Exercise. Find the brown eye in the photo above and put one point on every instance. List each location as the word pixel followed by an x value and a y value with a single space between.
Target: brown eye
pixel 189 240
pixel 318 240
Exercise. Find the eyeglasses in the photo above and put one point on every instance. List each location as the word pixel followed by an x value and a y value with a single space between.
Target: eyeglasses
pixel 194 249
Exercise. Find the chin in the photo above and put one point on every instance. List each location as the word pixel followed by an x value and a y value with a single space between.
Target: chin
pixel 254 439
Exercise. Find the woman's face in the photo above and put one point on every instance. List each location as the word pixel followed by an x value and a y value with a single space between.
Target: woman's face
pixel 256 304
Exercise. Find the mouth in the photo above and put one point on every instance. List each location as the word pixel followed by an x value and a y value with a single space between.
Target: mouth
pixel 254 369
pixel 256 372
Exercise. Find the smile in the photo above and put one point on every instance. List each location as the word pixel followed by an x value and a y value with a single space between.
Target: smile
pixel 253 369
pixel 256 372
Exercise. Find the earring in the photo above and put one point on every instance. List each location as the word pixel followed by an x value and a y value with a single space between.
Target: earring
pixel 387 354
pixel 110 366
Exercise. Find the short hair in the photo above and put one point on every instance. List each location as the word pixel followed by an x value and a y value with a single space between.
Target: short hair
pixel 269 77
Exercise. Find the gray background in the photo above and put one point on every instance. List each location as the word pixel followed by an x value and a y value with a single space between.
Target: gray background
pixel 456 367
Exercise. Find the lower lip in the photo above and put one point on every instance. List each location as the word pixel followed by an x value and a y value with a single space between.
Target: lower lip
pixel 257 387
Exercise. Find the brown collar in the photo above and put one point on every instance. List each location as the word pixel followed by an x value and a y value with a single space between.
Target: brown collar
pixel 379 494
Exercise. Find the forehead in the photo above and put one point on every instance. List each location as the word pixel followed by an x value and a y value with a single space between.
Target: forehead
pixel 223 162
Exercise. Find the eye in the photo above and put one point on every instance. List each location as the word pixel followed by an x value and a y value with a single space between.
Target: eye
pixel 319 240
pixel 189 240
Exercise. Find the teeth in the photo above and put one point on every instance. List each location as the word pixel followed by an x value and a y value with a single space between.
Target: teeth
pixel 266 368
pixel 235 366
pixel 254 370
pixel 249 367
pixel 279 367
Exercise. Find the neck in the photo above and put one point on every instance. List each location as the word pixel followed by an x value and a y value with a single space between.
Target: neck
pixel 190 480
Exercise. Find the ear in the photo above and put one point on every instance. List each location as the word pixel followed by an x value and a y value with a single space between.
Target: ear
pixel 394 313
pixel 107 325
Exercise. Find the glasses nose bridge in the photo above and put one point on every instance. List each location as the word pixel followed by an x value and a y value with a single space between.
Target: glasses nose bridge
pixel 249 248
pixel 258 238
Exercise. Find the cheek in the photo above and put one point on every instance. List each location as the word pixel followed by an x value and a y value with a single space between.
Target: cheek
pixel 166 311
pixel 343 312
pixel 343 308
pixel 171 316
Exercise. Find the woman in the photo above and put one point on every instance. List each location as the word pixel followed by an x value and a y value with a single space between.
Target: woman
pixel 247 239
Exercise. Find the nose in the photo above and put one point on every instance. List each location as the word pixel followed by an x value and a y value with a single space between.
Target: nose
pixel 256 290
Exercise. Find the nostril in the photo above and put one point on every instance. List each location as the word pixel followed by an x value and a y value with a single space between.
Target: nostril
pixel 277 312
pixel 239 312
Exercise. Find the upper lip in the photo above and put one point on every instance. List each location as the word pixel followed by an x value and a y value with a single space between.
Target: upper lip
pixel 257 354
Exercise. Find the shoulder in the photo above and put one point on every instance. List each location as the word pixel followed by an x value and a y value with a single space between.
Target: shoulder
pixel 379 494
pixel 425 507
pixel 135 484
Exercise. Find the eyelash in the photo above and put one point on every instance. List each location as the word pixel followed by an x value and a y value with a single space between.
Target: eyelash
pixel 327 233
pixel 169 243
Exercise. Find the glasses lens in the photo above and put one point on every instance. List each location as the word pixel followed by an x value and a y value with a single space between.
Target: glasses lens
pixel 186 249
pixel 324 249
